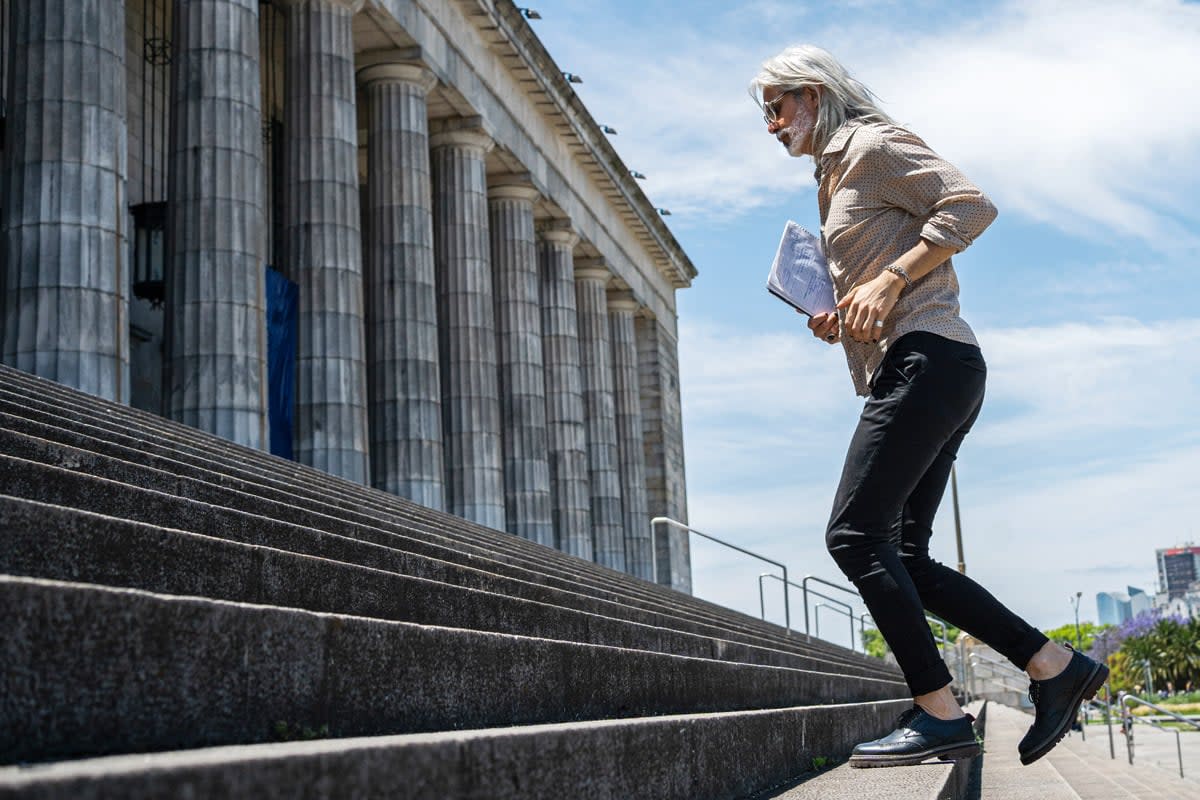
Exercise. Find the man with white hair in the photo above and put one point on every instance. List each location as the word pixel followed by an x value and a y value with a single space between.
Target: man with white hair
pixel 892 214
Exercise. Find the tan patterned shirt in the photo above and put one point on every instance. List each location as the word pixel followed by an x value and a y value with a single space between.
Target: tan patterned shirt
pixel 881 189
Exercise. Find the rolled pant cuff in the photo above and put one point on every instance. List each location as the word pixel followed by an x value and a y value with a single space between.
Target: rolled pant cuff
pixel 930 679
pixel 1029 645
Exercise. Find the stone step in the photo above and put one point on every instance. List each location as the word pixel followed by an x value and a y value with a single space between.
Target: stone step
pixel 92 670
pixel 150 431
pixel 147 432
pixel 936 780
pixel 274 480
pixel 56 543
pixel 679 757
pixel 212 506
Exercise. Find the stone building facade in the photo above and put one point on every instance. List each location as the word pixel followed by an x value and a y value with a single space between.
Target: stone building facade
pixel 485 315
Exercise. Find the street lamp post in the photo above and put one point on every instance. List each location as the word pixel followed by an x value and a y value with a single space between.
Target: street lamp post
pixel 1078 638
pixel 962 564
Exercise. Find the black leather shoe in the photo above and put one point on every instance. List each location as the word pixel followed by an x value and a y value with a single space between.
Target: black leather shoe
pixel 1056 702
pixel 919 736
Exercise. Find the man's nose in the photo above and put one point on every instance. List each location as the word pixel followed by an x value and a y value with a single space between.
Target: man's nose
pixel 773 127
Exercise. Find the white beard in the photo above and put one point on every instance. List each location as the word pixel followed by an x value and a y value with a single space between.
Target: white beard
pixel 799 129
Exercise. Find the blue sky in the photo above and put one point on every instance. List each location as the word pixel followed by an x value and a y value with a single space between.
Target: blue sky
pixel 1079 120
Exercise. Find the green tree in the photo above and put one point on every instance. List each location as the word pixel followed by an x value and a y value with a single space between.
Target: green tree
pixel 875 645
pixel 1088 631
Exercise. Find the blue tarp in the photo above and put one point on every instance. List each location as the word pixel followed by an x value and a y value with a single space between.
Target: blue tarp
pixel 283 302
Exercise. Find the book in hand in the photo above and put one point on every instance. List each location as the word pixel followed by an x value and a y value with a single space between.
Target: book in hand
pixel 800 276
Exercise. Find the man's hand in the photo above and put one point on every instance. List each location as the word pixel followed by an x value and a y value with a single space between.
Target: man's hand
pixel 824 326
pixel 868 304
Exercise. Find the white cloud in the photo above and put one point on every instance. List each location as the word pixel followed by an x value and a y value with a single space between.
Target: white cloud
pixel 1076 114
pixel 768 417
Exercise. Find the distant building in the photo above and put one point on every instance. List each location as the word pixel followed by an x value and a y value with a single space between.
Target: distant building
pixel 1113 608
pixel 1178 569
pixel 1186 605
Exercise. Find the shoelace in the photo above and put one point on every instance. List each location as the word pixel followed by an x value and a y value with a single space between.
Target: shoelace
pixel 907 717
pixel 1033 692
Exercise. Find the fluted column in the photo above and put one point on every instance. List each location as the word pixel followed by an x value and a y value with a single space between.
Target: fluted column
pixel 322 234
pixel 608 525
pixel 638 556
pixel 662 426
pixel 403 375
pixel 467 327
pixel 519 350
pixel 568 453
pixel 63 303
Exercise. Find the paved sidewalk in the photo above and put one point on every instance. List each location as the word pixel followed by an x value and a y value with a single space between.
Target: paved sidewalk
pixel 1150 747
pixel 1077 769
pixel 1003 776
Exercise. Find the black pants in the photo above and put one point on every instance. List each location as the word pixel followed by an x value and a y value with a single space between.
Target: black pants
pixel 926 395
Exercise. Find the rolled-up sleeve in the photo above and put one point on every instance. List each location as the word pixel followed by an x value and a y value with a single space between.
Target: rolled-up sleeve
pixel 929 187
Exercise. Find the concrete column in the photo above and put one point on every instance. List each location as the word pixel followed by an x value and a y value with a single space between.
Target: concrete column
pixel 63 302
pixel 215 371
pixel 595 351
pixel 467 326
pixel 322 235
pixel 638 556
pixel 403 374
pixel 662 426
pixel 519 349
pixel 568 452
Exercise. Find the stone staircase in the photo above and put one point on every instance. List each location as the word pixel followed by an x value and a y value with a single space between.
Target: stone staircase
pixel 190 618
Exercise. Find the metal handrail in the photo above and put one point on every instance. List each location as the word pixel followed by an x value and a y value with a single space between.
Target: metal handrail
pixel 840 588
pixel 1128 720
pixel 1106 707
pixel 849 613
pixel 941 622
pixel 787 617
pixel 762 609
pixel 1000 664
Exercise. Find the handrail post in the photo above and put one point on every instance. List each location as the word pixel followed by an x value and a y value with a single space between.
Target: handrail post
pixel 804 594
pixel 1126 726
pixel 762 604
pixel 1112 751
pixel 787 616
pixel 1179 752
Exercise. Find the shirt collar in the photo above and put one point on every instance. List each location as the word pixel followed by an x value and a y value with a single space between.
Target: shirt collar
pixel 836 144
pixel 841 136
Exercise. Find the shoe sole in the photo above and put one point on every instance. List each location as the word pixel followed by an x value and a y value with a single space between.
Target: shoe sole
pixel 949 752
pixel 1087 692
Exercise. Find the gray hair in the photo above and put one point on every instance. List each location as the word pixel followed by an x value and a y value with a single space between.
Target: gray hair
pixel 842 97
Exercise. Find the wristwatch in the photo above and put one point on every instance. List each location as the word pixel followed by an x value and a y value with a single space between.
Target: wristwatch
pixel 899 270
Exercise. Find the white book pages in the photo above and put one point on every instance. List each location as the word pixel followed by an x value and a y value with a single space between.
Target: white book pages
pixel 800 275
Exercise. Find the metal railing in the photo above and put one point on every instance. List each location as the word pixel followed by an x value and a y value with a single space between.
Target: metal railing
pixel 762 610
pixel 805 590
pixel 1106 707
pixel 1004 671
pixel 849 612
pixel 654 523
pixel 1128 720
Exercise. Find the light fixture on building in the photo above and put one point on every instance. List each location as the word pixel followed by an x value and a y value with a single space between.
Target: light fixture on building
pixel 529 13
pixel 572 77
pixel 663 211
pixel 637 174
pixel 609 130
pixel 149 251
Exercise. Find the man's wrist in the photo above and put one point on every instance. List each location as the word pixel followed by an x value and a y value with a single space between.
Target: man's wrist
pixel 900 274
